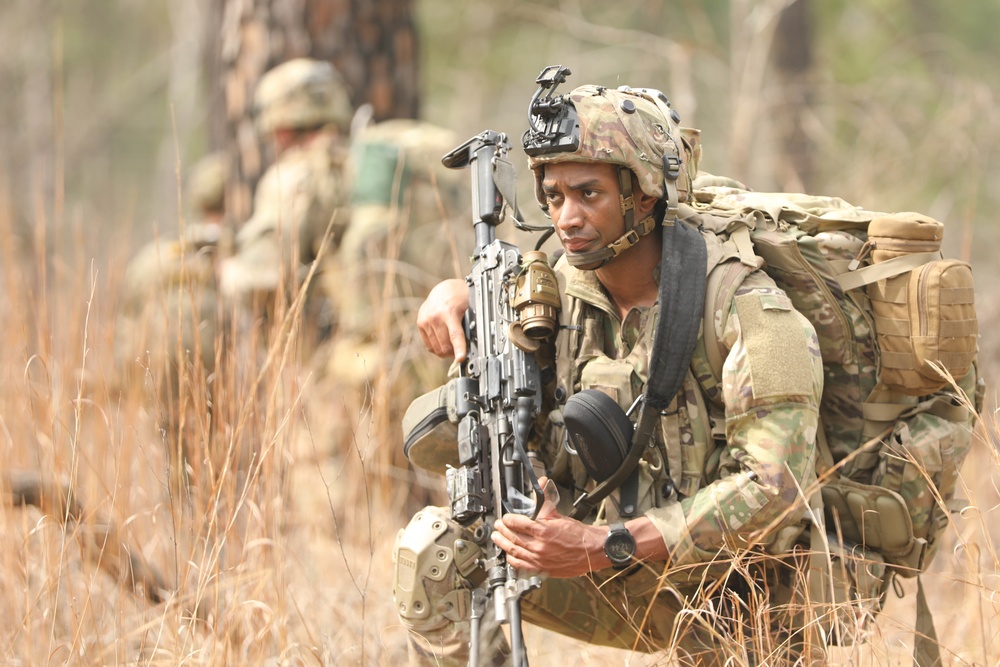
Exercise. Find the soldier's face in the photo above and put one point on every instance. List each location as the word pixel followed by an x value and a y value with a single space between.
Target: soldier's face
pixel 583 201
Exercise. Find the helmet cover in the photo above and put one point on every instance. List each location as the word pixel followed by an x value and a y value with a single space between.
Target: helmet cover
pixel 301 94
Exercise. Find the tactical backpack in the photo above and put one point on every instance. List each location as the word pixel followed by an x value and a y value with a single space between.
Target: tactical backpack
pixel 898 333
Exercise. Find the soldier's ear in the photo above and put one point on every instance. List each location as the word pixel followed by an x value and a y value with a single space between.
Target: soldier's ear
pixel 644 204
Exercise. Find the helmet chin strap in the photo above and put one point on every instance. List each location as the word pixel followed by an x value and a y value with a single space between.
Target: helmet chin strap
pixel 636 230
pixel 613 249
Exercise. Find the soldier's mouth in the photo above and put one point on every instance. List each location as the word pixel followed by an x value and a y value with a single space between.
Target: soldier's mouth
pixel 575 244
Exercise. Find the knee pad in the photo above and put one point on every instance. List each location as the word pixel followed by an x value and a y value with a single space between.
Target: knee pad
pixel 433 557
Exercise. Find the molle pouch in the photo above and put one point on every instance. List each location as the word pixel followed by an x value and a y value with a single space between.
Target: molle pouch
pixel 430 429
pixel 616 378
pixel 925 317
pixel 920 461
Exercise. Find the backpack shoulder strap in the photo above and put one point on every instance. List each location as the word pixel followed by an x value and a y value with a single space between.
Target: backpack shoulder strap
pixel 723 281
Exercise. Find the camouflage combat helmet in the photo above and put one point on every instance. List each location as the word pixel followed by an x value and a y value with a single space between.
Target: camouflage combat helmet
pixel 302 94
pixel 632 128
pixel 207 183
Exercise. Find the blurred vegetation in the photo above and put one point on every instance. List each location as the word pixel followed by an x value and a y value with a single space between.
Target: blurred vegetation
pixel 104 98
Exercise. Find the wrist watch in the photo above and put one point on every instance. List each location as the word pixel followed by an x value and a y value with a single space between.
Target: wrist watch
pixel 619 546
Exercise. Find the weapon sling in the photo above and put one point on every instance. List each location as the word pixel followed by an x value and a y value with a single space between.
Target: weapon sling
pixel 682 302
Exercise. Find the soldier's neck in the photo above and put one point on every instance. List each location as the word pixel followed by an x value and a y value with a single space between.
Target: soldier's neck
pixel 630 279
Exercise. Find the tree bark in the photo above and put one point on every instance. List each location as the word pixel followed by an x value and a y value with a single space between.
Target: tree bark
pixel 792 59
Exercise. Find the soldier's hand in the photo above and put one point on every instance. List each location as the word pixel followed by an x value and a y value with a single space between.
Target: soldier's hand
pixel 439 319
pixel 553 544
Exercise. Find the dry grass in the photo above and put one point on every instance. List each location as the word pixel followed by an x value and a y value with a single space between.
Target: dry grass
pixel 275 545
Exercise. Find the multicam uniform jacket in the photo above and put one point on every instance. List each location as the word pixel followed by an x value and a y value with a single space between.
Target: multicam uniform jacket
pixel 729 461
pixel 297 199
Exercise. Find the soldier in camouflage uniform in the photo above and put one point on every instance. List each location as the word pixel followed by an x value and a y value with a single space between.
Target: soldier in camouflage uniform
pixel 171 283
pixel 720 488
pixel 409 230
pixel 302 106
pixel 169 320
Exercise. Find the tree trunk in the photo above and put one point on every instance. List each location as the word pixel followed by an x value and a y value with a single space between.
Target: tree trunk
pixel 792 59
pixel 372 43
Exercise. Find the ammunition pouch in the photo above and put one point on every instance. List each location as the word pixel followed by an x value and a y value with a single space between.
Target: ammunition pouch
pixel 430 430
pixel 876 518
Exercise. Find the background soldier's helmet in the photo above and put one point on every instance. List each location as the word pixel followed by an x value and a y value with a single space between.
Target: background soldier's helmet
pixel 302 94
pixel 633 128
pixel 207 183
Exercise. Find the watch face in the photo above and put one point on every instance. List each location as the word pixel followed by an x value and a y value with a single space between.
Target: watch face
pixel 620 547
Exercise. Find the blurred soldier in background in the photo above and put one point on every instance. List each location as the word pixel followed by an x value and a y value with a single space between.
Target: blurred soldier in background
pixel 409 229
pixel 402 240
pixel 302 107
pixel 169 319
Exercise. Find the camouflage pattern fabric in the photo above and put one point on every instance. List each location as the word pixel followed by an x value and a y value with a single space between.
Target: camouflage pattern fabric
pixel 739 465
pixel 207 184
pixel 884 437
pixel 409 230
pixel 771 388
pixel 302 93
pixel 631 129
pixel 301 197
pixel 169 306
pixel 170 325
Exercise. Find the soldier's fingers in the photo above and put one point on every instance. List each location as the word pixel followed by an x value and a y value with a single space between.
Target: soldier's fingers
pixel 432 341
pixel 513 525
pixel 518 555
pixel 434 334
pixel 439 319
pixel 456 336
pixel 502 541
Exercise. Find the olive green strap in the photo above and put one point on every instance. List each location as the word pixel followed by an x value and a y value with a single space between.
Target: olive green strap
pixel 883 270
pixel 926 650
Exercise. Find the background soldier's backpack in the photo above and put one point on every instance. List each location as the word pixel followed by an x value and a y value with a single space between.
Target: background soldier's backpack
pixel 898 333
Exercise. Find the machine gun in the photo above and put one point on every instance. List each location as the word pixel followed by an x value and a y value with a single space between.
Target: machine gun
pixel 513 306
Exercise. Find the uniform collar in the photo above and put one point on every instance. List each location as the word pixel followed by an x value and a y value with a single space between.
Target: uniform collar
pixel 585 286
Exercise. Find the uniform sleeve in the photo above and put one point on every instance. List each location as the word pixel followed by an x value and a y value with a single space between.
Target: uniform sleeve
pixel 772 384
